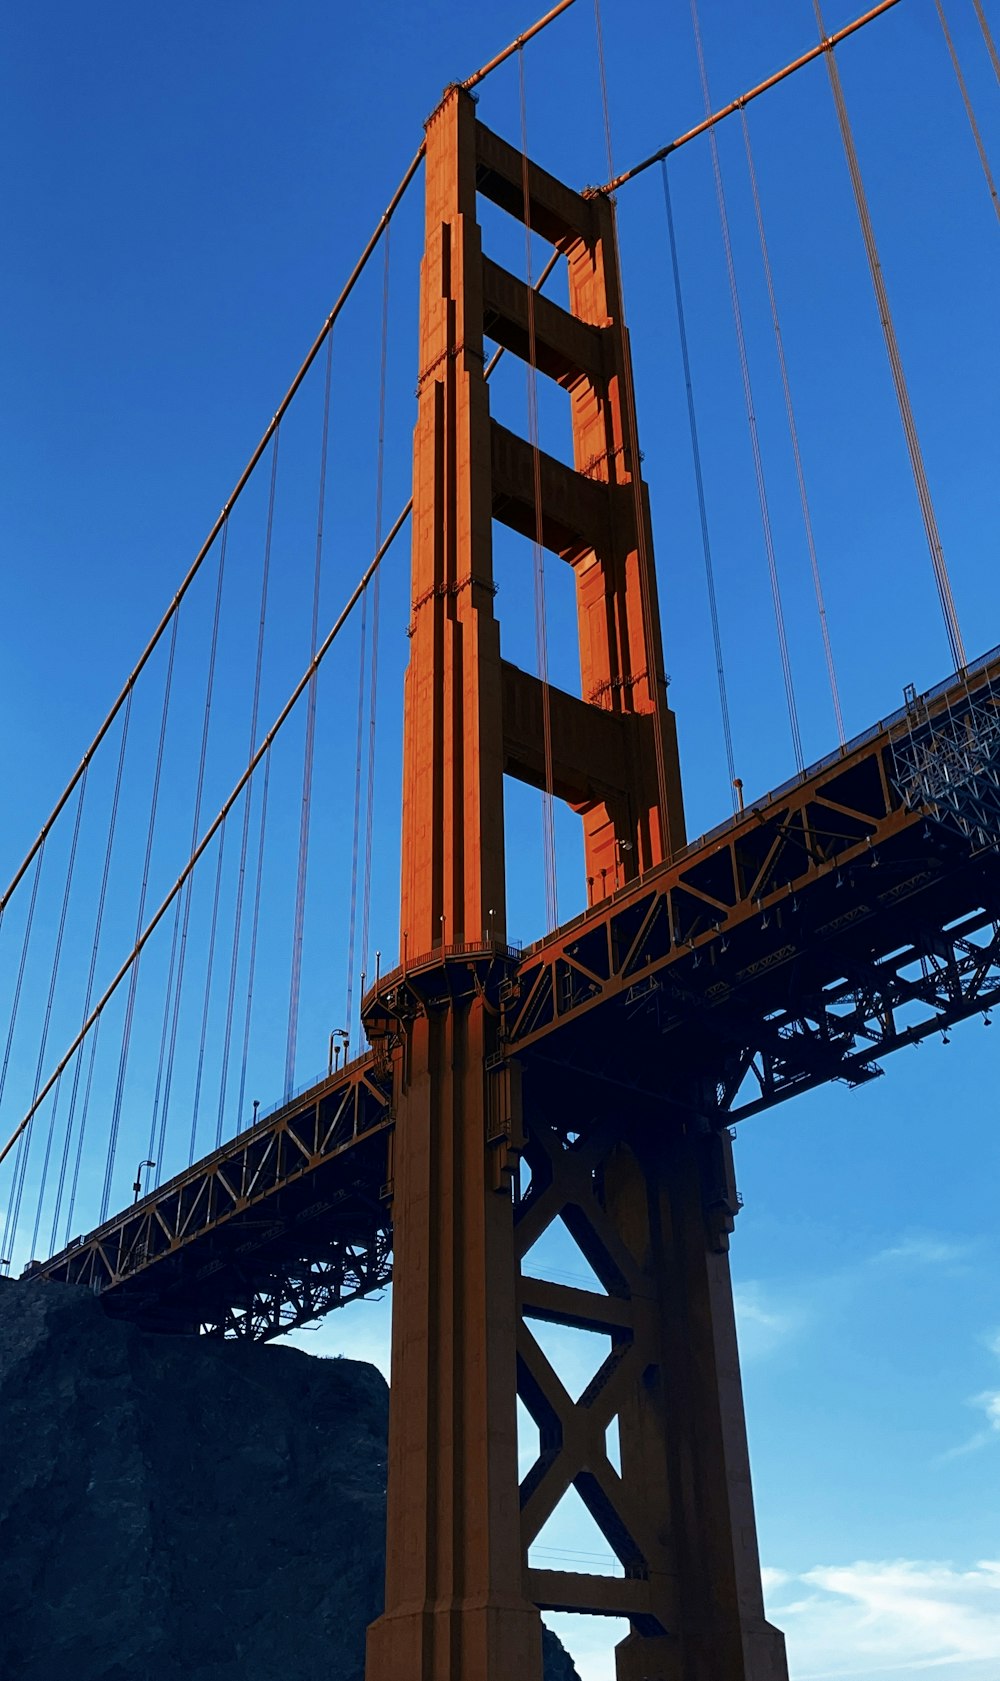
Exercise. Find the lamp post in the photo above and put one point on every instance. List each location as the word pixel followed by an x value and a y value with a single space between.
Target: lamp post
pixel 339 1034
pixel 620 847
pixel 137 1183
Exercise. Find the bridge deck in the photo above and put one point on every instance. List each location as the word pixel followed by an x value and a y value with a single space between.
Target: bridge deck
pixel 852 911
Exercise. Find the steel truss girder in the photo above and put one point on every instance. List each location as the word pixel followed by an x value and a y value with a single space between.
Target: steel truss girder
pixel 711 947
pixel 946 975
pixel 304 1291
pixel 711 907
pixel 220 1240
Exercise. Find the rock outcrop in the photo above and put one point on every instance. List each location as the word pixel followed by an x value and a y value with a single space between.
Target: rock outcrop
pixel 177 1509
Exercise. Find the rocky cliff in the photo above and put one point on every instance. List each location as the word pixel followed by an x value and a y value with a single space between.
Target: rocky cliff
pixel 178 1508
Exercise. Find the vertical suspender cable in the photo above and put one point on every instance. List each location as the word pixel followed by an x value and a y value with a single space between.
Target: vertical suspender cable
pixel 254 716
pixel 57 955
pixel 234 496
pixel 153 1153
pixel 20 1159
pixel 376 589
pixel 26 942
pixel 140 919
pixel 713 606
pixel 765 517
pixel 657 679
pixel 182 919
pixel 307 781
pixel 213 828
pixel 541 633
pixel 359 757
pixel 793 433
pixel 991 46
pixel 254 925
pixel 895 362
pixel 99 921
pixel 207 999
pixel 970 113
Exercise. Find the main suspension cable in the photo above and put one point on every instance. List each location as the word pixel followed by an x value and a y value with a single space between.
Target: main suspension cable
pixel 970 113
pixel 713 606
pixel 538 549
pixel 716 117
pixel 765 517
pixel 218 820
pixel 793 433
pixel 934 544
pixel 229 505
pixel 516 45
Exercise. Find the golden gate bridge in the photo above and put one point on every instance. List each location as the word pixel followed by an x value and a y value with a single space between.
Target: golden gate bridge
pixel 591 1077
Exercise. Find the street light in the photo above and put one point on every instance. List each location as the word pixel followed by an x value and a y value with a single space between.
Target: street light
pixel 137 1183
pixel 335 1037
pixel 621 847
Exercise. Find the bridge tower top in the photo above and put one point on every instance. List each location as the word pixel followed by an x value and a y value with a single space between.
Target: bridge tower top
pixel 471 716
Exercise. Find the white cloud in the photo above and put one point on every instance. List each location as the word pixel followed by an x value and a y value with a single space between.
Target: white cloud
pixel 870 1619
pixel 926 1250
pixel 762 1322
pixel 989 1403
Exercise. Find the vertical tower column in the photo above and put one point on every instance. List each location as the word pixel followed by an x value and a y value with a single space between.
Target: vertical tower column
pixel 455 1599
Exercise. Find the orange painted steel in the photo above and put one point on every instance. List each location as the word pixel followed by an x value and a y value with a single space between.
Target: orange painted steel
pixel 832 873
pixel 515 45
pixel 744 99
pixel 460 1598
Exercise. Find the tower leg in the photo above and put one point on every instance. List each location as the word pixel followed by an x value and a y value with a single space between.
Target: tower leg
pixel 456 1607
pixel 649 1204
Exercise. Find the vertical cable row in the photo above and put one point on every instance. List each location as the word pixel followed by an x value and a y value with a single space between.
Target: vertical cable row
pixel 713 606
pixel 934 544
pixel 793 433
pixel 765 516
pixel 970 113
pixel 140 918
pixel 307 786
pixel 991 46
pixel 182 918
pixel 88 996
pixel 376 597
pixel 657 680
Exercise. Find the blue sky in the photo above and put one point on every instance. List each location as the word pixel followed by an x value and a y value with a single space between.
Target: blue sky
pixel 184 193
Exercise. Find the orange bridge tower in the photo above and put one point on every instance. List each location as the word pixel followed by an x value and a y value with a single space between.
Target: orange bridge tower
pixel 489 1148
